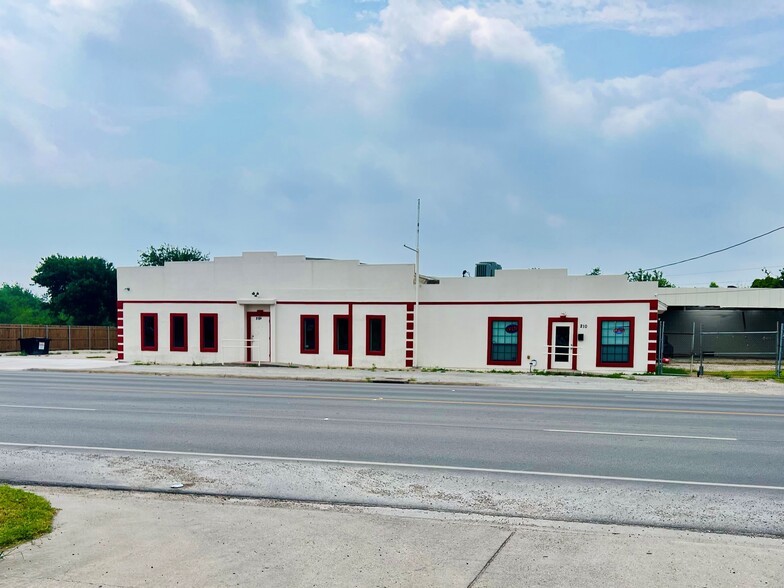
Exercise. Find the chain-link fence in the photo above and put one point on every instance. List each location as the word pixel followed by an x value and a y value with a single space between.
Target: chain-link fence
pixel 763 347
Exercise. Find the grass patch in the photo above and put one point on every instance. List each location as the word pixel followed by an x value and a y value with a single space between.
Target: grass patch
pixel 612 376
pixel 674 371
pixel 745 375
pixel 23 517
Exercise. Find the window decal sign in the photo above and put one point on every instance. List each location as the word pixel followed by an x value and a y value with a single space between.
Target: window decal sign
pixel 620 330
pixel 511 328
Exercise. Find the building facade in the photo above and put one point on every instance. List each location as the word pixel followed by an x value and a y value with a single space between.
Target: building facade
pixel 737 323
pixel 262 307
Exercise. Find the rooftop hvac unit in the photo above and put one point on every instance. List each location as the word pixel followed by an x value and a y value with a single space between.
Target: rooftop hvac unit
pixel 486 269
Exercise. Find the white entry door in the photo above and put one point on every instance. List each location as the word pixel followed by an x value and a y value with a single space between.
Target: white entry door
pixel 562 350
pixel 260 338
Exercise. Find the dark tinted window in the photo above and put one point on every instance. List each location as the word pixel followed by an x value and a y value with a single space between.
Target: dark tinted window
pixel 375 335
pixel 209 332
pixel 341 334
pixel 179 332
pixel 309 334
pixel 150 331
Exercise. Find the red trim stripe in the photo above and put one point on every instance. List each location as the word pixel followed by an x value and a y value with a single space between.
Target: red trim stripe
pixel 409 306
pixel 496 302
pixel 179 302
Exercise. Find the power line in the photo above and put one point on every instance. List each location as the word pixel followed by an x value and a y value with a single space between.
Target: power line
pixel 714 252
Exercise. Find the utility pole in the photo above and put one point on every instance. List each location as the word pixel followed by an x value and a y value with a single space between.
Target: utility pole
pixel 416 288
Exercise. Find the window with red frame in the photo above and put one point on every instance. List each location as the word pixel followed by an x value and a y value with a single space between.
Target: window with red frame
pixel 616 340
pixel 375 328
pixel 209 332
pixel 149 331
pixel 504 336
pixel 308 332
pixel 178 332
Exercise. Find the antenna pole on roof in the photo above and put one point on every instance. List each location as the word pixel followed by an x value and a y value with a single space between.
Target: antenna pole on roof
pixel 416 288
pixel 416 294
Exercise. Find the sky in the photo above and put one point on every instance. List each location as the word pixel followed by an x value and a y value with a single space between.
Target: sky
pixel 572 134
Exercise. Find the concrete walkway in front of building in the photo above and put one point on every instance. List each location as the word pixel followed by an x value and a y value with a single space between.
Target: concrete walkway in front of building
pixel 104 538
pixel 65 360
pixel 106 361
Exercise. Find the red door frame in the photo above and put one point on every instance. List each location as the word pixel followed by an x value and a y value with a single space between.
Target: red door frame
pixel 248 315
pixel 561 319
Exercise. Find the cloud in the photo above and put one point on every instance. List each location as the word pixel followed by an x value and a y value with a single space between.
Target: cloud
pixel 44 61
pixel 640 17
pixel 624 121
pixel 696 80
pixel 750 128
pixel 208 17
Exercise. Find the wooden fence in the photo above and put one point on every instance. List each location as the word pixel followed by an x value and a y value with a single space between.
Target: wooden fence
pixel 62 337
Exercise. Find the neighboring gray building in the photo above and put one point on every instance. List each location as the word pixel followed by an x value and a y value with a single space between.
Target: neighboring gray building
pixel 754 314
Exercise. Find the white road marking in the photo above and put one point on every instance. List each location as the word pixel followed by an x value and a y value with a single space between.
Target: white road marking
pixel 46 407
pixel 641 435
pixel 673 397
pixel 417 466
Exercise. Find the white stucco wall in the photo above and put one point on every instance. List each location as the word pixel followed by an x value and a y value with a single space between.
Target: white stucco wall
pixel 441 325
pixel 452 318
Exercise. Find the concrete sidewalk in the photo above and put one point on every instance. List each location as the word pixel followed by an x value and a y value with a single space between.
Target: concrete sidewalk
pixel 104 361
pixel 124 539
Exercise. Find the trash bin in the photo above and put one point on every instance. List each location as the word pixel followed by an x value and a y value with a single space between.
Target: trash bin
pixel 34 345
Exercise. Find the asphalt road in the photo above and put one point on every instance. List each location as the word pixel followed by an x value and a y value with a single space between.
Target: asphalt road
pixel 724 440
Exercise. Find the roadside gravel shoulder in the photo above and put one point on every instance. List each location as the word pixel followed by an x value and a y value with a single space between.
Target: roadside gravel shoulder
pixel 637 383
pixel 105 362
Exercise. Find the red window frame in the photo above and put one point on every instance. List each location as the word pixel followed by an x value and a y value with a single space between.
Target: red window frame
pixel 335 320
pixel 383 319
pixel 154 316
pixel 302 320
pixel 202 347
pixel 184 318
pixel 519 357
pixel 599 322
pixel 550 347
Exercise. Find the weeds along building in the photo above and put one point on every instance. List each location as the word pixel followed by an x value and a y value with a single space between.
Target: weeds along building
pixel 262 307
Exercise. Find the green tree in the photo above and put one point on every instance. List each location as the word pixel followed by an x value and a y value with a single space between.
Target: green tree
pixel 597 271
pixel 160 255
pixel 713 285
pixel 80 290
pixel 649 276
pixel 769 281
pixel 19 306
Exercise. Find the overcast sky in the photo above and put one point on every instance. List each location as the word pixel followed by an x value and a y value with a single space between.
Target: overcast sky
pixel 538 133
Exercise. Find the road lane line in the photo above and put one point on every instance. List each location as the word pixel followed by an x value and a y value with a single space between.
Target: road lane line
pixel 417 466
pixel 375 398
pixel 640 435
pixel 46 407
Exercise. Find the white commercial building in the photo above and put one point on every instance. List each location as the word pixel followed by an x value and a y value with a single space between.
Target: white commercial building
pixel 262 307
